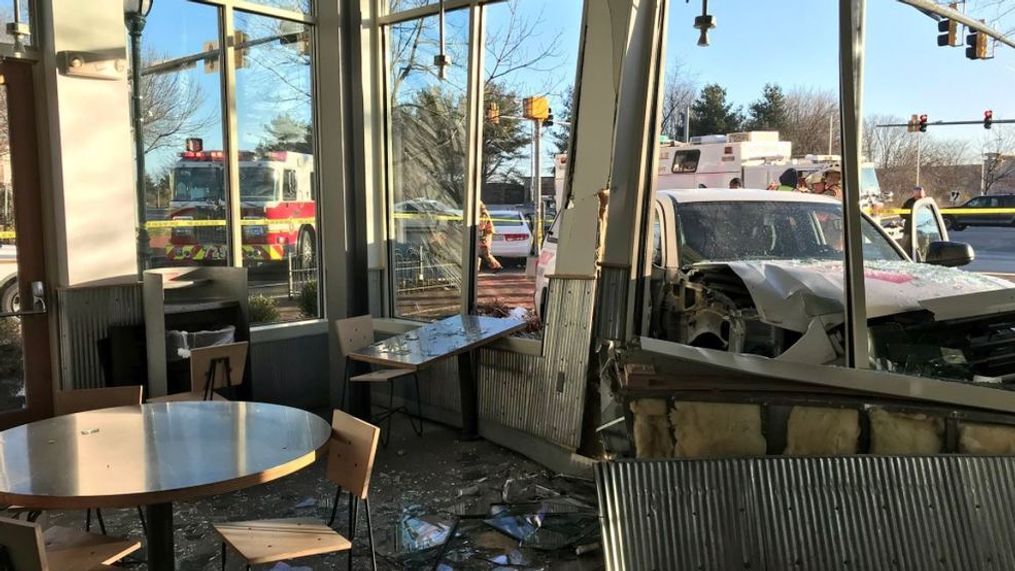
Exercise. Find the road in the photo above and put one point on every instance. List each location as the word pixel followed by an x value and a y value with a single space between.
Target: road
pixel 994 248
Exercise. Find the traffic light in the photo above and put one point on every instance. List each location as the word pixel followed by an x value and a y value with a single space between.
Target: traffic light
pixel 493 114
pixel 976 43
pixel 922 126
pixel 949 33
pixel 988 119
pixel 913 125
pixel 240 49
pixel 211 63
pixel 300 38
pixel 535 108
pixel 548 122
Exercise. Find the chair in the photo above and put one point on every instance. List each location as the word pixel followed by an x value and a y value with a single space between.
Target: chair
pixel 351 452
pixel 25 547
pixel 83 400
pixel 215 367
pixel 358 332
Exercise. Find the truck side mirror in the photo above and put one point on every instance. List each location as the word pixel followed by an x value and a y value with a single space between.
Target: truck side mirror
pixel 949 254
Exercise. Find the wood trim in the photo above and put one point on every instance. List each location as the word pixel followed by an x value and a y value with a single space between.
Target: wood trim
pixel 25 175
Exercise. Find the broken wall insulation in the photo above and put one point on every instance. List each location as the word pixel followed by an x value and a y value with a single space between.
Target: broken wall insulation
pixel 905 433
pixel 816 431
pixel 652 435
pixel 986 439
pixel 705 429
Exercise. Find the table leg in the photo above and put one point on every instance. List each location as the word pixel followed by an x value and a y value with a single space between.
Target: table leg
pixel 159 547
pixel 470 395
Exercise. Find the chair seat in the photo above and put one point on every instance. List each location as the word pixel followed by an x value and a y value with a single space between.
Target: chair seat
pixel 381 375
pixel 270 540
pixel 187 396
pixel 69 549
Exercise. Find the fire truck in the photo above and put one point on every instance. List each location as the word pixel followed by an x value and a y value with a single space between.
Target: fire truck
pixel 277 194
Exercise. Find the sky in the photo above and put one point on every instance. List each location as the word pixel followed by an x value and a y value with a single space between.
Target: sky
pixel 789 42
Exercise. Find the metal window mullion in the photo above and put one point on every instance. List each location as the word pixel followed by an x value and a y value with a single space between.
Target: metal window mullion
pixel 233 216
pixel 430 10
pixel 382 99
pixel 851 47
pixel 473 155
pixel 263 10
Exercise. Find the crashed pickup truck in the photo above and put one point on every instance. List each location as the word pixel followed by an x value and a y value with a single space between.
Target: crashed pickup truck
pixel 761 272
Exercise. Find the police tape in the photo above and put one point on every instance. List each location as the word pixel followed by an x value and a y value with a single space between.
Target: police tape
pixel 8 235
pixel 272 223
pixel 946 211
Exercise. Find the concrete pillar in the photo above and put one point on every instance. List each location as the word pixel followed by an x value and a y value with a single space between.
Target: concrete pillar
pixel 89 164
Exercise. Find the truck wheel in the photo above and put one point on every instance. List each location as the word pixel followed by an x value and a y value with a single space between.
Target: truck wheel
pixel 10 297
pixel 306 249
pixel 951 224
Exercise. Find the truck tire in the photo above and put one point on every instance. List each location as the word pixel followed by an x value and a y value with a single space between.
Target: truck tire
pixel 306 249
pixel 10 297
pixel 951 224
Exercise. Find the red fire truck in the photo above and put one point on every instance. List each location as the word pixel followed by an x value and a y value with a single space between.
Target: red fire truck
pixel 277 194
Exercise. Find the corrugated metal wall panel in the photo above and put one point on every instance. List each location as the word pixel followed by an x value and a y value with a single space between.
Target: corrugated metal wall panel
pixel 84 316
pixel 613 290
pixel 851 512
pixel 291 371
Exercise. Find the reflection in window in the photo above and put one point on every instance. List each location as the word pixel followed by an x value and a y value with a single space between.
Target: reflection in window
pixel 685 161
pixel 185 196
pixel 274 114
pixel 427 150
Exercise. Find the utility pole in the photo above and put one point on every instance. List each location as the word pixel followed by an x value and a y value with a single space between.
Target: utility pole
pixel 919 146
pixel 687 124
pixel 831 125
pixel 537 184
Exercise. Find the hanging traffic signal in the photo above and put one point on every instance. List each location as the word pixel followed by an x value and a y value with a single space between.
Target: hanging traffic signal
pixel 988 119
pixel 535 108
pixel 976 43
pixel 949 33
pixel 493 113
pixel 240 49
pixel 913 125
pixel 548 122
pixel 922 126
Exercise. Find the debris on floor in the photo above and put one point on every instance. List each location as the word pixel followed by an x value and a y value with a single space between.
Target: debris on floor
pixel 436 502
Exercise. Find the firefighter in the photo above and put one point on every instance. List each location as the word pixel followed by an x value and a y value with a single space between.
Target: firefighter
pixel 789 180
pixel 735 183
pixel 486 232
pixel 833 181
pixel 816 180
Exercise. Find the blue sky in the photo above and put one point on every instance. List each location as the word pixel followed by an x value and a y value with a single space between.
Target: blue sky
pixel 790 42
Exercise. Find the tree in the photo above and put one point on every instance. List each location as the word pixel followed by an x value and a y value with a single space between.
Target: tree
pixel 171 107
pixel 561 133
pixel 811 121
pixel 768 113
pixel 286 133
pixel 999 159
pixel 679 93
pixel 506 141
pixel 711 114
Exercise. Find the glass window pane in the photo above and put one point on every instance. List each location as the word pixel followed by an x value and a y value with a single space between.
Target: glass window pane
pixel 395 6
pixel 531 51
pixel 274 115
pixel 12 378
pixel 185 198
pixel 427 151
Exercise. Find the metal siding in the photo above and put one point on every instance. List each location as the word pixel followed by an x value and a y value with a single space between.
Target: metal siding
pixel 291 371
pixel 84 317
pixel 613 305
pixel 851 512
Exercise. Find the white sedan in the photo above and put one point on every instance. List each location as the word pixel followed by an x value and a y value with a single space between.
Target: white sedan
pixel 512 236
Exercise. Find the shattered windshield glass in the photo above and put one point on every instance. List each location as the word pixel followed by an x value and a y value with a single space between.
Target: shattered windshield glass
pixel 747 230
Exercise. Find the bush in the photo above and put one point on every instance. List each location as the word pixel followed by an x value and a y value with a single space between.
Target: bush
pixel 263 309
pixel 307 299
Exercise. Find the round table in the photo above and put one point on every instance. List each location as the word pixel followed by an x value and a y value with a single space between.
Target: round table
pixel 154 454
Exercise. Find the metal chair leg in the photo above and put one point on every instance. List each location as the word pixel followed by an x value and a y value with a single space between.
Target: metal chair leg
pixel 353 513
pixel 419 408
pixel 102 524
pixel 370 535
pixel 334 508
pixel 386 434
pixel 144 524
pixel 345 385
pixel 223 556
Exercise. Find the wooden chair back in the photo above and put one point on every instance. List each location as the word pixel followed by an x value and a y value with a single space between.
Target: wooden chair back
pixel 22 544
pixel 81 400
pixel 351 453
pixel 354 333
pixel 200 364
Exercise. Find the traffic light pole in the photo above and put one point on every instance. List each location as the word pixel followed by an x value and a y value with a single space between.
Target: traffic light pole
pixel 537 185
pixel 919 148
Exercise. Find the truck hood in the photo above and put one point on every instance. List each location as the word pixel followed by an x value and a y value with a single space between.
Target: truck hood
pixel 791 293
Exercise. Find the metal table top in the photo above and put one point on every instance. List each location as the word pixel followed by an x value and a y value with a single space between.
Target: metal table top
pixel 438 340
pixel 154 453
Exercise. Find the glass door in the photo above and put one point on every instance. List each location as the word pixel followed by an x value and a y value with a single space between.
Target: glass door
pixel 26 388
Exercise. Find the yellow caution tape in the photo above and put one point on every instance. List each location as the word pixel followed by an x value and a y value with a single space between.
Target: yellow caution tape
pixel 7 235
pixel 280 223
pixel 954 211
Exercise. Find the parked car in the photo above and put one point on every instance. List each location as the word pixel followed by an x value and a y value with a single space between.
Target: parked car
pixel 982 216
pixel 760 272
pixel 512 237
pixel 9 294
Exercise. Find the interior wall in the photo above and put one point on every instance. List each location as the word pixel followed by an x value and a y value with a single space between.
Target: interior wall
pixel 91 164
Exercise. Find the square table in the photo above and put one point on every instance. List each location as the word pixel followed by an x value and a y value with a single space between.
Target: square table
pixel 459 336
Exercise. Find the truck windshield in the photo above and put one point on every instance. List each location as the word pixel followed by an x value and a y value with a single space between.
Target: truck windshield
pixel 257 183
pixel 745 230
pixel 198 184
